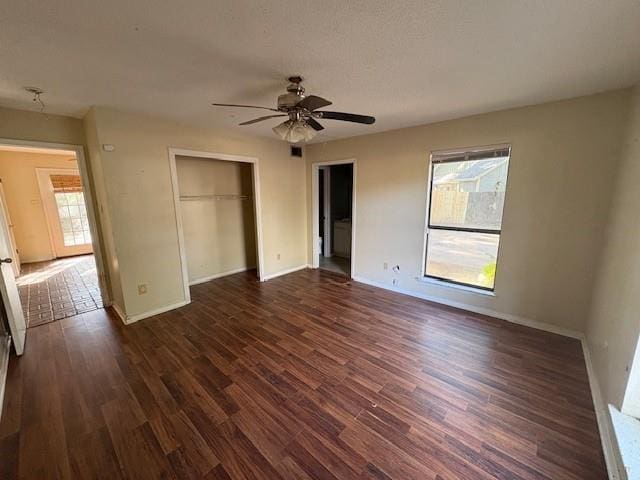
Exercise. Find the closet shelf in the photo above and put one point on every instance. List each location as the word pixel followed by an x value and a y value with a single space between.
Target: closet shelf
pixel 188 198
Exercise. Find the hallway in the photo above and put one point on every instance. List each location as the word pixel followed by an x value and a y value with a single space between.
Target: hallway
pixel 58 289
pixel 336 264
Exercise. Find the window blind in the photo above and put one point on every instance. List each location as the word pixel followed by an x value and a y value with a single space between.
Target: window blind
pixel 66 183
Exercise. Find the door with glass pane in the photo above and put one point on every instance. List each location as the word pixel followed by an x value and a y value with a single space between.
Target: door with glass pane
pixel 66 213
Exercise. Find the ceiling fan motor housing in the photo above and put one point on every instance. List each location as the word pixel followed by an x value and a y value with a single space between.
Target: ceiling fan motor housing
pixel 295 93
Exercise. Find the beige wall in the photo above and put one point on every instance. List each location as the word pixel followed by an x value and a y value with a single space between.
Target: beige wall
pixel 219 234
pixel 614 324
pixel 561 174
pixel 110 256
pixel 139 199
pixel 24 125
pixel 18 174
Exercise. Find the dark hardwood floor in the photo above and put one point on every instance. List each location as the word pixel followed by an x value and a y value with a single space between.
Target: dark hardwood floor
pixel 305 376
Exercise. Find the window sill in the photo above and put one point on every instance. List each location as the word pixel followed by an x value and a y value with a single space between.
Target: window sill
pixel 627 433
pixel 464 288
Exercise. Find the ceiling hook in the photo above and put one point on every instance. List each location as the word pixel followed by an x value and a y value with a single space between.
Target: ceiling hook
pixel 36 97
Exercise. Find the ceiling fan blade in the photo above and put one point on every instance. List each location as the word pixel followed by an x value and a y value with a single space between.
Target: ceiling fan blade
pixel 313 124
pixel 347 117
pixel 243 106
pixel 259 119
pixel 312 102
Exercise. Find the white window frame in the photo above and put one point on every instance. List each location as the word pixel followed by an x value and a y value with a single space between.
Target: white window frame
pixel 457 152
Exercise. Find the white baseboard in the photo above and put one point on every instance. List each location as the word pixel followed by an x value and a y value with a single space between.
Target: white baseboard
pixel 607 438
pixel 218 275
pixel 283 272
pixel 4 370
pixel 129 319
pixel 119 312
pixel 547 327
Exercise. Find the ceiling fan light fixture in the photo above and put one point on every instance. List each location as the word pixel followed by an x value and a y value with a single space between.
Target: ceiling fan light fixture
pixel 294 131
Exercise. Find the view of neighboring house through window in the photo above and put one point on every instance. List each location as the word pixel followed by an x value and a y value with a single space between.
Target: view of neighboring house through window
pixel 464 220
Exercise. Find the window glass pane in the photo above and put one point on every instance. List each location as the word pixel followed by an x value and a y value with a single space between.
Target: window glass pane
pixel 61 200
pixel 73 218
pixel 469 194
pixel 463 257
pixel 74 211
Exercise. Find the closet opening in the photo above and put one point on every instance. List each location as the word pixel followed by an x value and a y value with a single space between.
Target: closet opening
pixel 217 212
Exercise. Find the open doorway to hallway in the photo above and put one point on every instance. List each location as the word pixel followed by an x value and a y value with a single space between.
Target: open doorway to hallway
pixel 47 225
pixel 335 217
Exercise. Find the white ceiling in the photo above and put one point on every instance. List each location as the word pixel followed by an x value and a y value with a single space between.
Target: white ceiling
pixel 405 62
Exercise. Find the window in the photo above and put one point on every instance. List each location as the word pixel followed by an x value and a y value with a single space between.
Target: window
pixel 464 221
pixel 71 209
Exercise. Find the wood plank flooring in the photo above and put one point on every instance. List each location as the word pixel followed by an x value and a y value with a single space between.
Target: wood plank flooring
pixel 307 376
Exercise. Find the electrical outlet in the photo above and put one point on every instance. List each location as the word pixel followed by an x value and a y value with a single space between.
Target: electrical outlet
pixel 142 289
pixel 278 257
pixel 385 266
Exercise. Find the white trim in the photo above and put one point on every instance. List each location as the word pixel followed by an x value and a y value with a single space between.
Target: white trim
pixel 87 189
pixel 208 278
pixel 456 286
pixel 609 445
pixel 631 400
pixel 326 241
pixel 129 319
pixel 119 312
pixel 283 272
pixel 315 210
pixel 477 149
pixel 172 152
pixel 4 371
pixel 547 327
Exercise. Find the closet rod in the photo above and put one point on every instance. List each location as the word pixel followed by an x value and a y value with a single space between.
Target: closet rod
pixel 213 197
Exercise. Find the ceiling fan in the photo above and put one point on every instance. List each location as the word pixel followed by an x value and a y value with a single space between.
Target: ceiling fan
pixel 303 113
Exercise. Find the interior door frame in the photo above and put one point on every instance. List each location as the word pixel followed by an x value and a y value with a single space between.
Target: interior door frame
pixel 315 210
pixel 326 241
pixel 253 161
pixel 87 188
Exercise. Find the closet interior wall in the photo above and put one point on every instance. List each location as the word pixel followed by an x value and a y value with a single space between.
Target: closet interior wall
pixel 218 221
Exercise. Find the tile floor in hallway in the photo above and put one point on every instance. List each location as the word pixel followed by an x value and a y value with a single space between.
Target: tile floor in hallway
pixel 336 264
pixel 58 289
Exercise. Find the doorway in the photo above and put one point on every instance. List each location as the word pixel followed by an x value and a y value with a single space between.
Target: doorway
pixel 48 232
pixel 334 216
pixel 65 211
pixel 217 202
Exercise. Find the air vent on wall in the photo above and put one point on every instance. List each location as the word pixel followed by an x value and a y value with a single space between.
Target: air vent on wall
pixel 296 151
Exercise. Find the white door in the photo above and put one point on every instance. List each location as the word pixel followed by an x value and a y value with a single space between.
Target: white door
pixel 65 210
pixel 8 288
pixel 9 227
